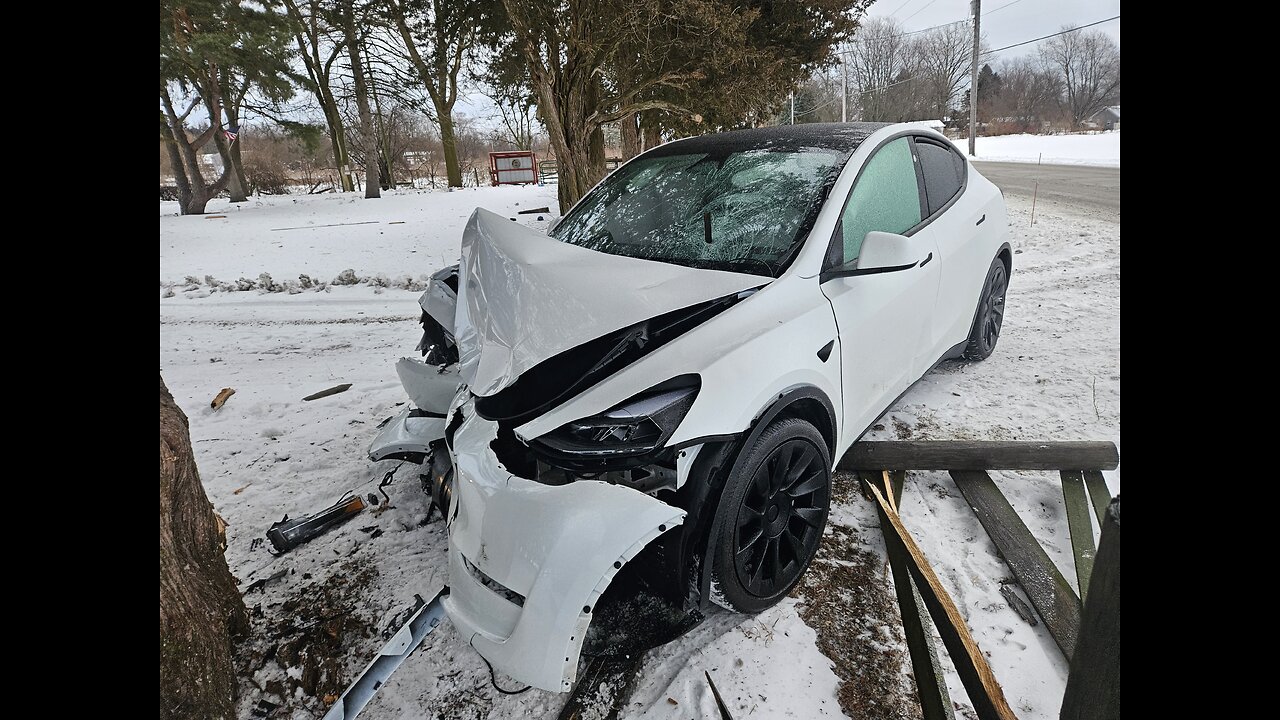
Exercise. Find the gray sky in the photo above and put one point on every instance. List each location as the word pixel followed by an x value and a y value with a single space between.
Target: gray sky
pixel 1020 20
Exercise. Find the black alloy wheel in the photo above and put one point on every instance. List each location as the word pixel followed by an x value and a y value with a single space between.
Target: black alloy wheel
pixel 774 511
pixel 986 326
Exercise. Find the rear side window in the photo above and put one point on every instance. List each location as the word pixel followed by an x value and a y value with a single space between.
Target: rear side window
pixel 886 198
pixel 943 173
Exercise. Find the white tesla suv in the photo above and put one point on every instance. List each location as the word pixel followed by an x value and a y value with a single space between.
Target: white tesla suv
pixel 657 390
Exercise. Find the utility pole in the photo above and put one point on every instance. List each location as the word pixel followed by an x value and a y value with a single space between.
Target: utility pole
pixel 793 107
pixel 973 82
pixel 844 88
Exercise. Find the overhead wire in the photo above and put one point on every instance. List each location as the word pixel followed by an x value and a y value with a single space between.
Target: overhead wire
pixel 926 7
pixel 1046 37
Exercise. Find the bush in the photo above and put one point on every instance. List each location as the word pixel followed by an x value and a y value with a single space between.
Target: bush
pixel 266 177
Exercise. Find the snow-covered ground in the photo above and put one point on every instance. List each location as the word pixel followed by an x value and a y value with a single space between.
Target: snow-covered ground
pixel 1101 148
pixel 406 233
pixel 1055 375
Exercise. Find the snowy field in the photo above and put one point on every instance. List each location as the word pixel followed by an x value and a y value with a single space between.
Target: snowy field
pixel 837 642
pixel 1077 149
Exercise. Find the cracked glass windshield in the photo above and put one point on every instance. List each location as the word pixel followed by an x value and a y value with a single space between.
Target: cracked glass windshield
pixel 740 211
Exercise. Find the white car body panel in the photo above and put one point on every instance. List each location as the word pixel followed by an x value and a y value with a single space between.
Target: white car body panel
pixel 773 337
pixel 406 434
pixel 513 311
pixel 558 546
pixel 524 298
pixel 439 301
pixel 885 321
pixel 430 388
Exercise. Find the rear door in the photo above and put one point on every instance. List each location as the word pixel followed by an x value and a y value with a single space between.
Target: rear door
pixel 884 319
pixel 955 219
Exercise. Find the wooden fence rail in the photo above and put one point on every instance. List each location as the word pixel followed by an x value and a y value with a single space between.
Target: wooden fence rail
pixel 980 455
pixel 1088 634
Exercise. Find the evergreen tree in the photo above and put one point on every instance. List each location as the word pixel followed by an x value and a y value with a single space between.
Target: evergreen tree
pixel 212 54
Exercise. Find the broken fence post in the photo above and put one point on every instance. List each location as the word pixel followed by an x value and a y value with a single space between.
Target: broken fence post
pixel 1093 683
pixel 931 684
pixel 971 665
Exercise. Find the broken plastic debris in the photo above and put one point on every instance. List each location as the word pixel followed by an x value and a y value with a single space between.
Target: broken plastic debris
pixel 289 534
pixel 331 391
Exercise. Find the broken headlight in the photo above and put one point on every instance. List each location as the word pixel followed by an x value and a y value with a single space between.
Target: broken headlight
pixel 636 426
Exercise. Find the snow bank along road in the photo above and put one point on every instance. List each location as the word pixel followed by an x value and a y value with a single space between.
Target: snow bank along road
pixel 834 648
pixel 1079 185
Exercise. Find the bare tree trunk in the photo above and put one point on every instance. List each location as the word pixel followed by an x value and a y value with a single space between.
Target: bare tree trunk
pixel 367 133
pixel 200 608
pixel 651 129
pixel 338 141
pixel 198 196
pixel 449 141
pixel 630 136
pixel 234 186
pixel 175 159
pixel 237 160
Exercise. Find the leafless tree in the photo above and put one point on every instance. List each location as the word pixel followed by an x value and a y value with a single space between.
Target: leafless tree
pixel 320 45
pixel 1088 64
pixel 1028 94
pixel 940 62
pixel 352 16
pixel 879 60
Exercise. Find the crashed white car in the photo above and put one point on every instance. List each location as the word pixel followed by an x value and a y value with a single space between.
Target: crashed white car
pixel 661 385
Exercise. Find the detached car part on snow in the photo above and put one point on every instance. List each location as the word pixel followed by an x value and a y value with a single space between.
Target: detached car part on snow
pixel 661 385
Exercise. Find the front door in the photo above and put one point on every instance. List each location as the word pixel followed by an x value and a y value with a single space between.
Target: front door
pixel 884 319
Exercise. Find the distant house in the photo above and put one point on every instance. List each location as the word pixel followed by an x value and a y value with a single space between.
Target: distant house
pixel 1108 118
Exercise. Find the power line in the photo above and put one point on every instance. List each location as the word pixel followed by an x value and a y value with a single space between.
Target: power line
pixel 926 7
pixel 1046 37
pixel 993 12
pixel 953 22
pixel 895 12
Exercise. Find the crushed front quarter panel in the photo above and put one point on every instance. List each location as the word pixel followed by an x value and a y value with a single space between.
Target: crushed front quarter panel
pixel 524 297
pixel 429 387
pixel 557 546
pixel 407 434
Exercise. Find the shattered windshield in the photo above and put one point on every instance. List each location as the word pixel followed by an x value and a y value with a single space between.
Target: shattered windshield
pixel 740 211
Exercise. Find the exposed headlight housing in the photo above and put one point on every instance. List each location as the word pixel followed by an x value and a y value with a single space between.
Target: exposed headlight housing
pixel 637 426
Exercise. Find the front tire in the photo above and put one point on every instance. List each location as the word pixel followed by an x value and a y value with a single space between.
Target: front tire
pixel 771 516
pixel 990 316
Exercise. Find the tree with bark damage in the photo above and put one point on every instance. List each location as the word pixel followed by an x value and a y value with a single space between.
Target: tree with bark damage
pixel 201 610
pixel 212 52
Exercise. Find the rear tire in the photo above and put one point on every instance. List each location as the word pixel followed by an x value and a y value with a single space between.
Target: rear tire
pixel 990 315
pixel 771 516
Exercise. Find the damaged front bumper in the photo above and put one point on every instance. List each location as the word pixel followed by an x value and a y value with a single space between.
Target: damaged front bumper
pixel 528 561
pixel 408 436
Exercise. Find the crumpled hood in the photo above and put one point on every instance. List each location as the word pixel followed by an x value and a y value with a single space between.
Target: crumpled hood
pixel 524 297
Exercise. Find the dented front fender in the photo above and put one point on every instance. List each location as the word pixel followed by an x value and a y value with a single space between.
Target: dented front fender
pixel 528 561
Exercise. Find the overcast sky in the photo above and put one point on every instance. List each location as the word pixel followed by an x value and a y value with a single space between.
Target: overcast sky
pixel 1005 22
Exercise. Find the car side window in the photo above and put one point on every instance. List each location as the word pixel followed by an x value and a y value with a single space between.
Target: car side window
pixel 944 173
pixel 885 198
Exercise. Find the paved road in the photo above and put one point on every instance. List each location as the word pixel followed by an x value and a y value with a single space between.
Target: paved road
pixel 1093 187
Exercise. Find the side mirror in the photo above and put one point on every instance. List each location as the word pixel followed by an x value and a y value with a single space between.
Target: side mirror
pixel 881 252
pixel 887 251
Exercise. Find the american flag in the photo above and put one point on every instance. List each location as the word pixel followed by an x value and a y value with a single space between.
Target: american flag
pixel 232 134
